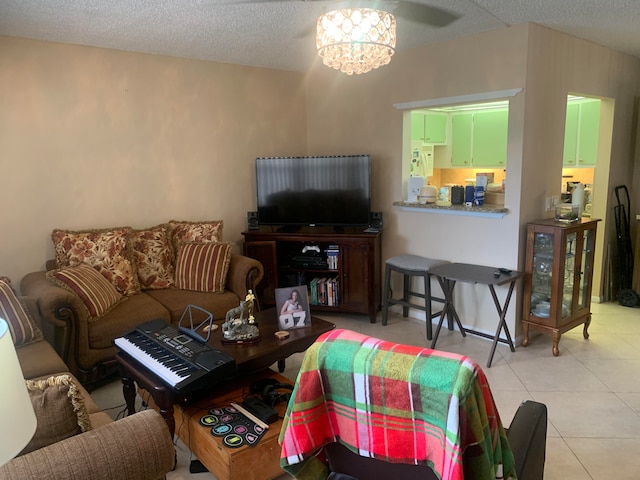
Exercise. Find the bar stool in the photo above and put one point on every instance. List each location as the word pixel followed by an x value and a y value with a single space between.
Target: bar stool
pixel 411 266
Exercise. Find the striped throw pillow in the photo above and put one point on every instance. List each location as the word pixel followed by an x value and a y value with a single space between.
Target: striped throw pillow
pixel 203 267
pixel 22 328
pixel 96 292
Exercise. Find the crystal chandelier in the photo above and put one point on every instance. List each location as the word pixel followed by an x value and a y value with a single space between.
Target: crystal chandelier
pixel 356 40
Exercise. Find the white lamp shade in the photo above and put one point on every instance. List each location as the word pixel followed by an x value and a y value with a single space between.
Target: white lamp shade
pixel 17 420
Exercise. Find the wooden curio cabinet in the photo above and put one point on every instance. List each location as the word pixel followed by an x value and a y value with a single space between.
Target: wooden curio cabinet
pixel 353 272
pixel 558 277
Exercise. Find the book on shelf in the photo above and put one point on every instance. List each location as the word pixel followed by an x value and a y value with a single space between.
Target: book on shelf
pixel 313 291
pixel 324 291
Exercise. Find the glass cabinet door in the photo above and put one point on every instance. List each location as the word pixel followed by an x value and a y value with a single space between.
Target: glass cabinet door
pixel 586 268
pixel 541 274
pixel 569 274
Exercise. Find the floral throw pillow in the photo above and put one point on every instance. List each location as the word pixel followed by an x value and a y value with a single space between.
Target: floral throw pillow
pixel 108 251
pixel 194 232
pixel 154 257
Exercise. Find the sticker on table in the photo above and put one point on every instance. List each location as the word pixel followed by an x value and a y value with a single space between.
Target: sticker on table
pixel 209 420
pixel 234 428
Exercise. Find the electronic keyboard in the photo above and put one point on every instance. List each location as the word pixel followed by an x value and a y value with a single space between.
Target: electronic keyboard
pixel 182 362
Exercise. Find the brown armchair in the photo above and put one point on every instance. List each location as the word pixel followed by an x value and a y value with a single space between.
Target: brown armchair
pixel 137 447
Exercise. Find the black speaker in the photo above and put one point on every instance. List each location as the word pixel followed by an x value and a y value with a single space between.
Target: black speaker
pixel 375 220
pixel 253 223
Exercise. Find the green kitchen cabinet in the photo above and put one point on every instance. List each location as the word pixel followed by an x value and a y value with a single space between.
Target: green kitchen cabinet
pixel 581 133
pixel 435 128
pixel 490 130
pixel 429 127
pixel 461 139
pixel 588 137
pixel 571 135
pixel 417 126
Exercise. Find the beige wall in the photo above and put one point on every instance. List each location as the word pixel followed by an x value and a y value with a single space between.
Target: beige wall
pixel 93 138
pixel 357 114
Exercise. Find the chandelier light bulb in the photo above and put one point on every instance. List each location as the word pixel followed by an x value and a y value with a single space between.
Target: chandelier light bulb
pixel 356 40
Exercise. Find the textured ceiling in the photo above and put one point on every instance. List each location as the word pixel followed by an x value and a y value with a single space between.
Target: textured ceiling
pixel 279 34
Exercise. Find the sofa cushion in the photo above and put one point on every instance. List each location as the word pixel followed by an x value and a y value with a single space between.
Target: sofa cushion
pixel 176 301
pixel 154 257
pixel 21 326
pixel 108 251
pixel 59 408
pixel 194 232
pixel 119 320
pixel 39 359
pixel 203 267
pixel 96 292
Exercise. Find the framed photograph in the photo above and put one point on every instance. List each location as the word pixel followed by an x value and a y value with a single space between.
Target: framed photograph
pixel 292 304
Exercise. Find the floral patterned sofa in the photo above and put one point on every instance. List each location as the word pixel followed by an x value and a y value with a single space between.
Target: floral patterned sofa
pixel 104 283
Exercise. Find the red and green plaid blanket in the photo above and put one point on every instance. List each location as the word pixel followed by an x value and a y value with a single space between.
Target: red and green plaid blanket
pixel 396 403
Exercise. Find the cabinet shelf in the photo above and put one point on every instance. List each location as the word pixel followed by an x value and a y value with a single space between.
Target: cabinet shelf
pixel 355 253
pixel 291 268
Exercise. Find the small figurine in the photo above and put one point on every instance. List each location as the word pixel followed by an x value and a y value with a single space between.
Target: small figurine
pixel 250 299
pixel 238 327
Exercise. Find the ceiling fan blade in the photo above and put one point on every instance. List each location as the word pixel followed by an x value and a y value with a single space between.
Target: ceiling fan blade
pixel 420 13
pixel 306 32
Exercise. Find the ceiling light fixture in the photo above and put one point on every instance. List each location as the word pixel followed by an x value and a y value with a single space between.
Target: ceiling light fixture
pixel 356 40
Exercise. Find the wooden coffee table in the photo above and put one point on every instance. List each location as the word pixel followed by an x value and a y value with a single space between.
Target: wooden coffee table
pixel 250 359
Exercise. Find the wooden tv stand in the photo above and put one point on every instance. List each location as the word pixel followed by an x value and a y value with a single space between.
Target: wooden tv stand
pixel 357 272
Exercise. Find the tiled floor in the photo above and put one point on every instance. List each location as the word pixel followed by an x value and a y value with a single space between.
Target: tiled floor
pixel 592 390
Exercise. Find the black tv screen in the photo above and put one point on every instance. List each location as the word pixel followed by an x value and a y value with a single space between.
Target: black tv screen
pixel 330 190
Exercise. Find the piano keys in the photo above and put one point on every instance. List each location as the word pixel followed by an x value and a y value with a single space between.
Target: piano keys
pixel 181 361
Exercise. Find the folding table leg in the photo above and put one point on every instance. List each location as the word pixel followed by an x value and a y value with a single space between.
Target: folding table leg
pixel 502 311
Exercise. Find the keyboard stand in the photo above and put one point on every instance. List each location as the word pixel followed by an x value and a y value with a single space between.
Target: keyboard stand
pixel 133 372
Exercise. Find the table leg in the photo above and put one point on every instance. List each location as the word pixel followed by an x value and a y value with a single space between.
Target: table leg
pixel 281 365
pixel 448 309
pixel 166 410
pixel 585 332
pixel 556 340
pixel 502 311
pixel 129 393
pixel 525 333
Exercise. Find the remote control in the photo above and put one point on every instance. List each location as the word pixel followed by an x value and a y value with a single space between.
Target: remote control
pixel 505 270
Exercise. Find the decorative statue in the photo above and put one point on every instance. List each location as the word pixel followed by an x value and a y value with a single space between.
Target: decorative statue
pixel 250 299
pixel 239 325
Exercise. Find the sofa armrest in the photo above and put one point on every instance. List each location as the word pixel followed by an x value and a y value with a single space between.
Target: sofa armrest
pixel 528 439
pixel 137 447
pixel 244 274
pixel 61 311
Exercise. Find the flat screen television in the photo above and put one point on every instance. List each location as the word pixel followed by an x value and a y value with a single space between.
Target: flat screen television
pixel 314 191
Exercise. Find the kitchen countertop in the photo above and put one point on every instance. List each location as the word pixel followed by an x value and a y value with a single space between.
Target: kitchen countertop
pixel 491 211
